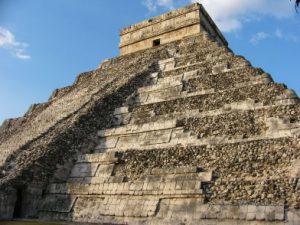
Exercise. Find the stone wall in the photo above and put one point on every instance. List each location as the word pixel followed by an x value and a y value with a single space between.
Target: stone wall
pixel 169 27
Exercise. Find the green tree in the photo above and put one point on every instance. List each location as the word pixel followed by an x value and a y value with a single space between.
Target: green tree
pixel 297 4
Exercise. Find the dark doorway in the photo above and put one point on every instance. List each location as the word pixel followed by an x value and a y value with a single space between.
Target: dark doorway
pixel 19 202
pixel 156 42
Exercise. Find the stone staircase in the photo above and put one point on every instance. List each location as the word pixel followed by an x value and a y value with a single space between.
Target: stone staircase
pixel 207 140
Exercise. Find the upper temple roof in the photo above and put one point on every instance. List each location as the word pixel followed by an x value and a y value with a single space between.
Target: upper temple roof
pixel 169 27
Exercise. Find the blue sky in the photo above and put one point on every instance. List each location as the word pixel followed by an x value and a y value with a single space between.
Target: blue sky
pixel 45 44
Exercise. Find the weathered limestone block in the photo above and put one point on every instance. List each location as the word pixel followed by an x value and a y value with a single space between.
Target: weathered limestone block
pixel 166 94
pixel 293 217
pixel 169 81
pixel 142 128
pixel 190 75
pixel 167 64
pixel 105 170
pixel 182 209
pixel 221 68
pixel 156 137
pixel 242 212
pixel 84 170
pixel 180 170
pixel 107 142
pixel 121 110
pixel 7 203
pixel 165 88
pixel 155 134
pixel 295 169
pixel 282 127
pixel 130 141
pixel 58 203
pixel 62 188
pixel 103 158
pixel 121 116
pixel 140 98
pixel 92 208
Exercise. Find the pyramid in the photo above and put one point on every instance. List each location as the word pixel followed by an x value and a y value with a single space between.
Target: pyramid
pixel 176 130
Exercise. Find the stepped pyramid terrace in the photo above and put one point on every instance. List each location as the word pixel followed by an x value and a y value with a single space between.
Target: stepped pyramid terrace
pixel 176 130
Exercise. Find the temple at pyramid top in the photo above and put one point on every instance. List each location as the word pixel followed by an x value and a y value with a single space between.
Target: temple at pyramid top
pixel 169 27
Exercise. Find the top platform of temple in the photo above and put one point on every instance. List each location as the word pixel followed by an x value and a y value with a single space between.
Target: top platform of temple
pixel 169 27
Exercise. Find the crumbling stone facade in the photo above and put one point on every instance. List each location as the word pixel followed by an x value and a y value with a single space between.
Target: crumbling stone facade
pixel 185 132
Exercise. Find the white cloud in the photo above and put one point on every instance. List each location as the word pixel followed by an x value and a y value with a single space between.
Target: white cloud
pixel 256 38
pixel 169 4
pixel 230 15
pixel 8 41
pixel 6 37
pixel 285 36
pixel 152 5
pixel 278 34
pixel 20 53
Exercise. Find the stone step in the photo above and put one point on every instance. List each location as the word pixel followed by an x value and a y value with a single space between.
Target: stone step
pixel 86 169
pixel 181 138
pixel 224 139
pixel 145 140
pixel 234 124
pixel 268 151
pixel 176 209
pixel 265 121
pixel 157 93
pixel 91 207
pixel 88 209
pixel 192 140
pixel 121 116
pixel 266 94
pixel 282 129
pixel 175 175
pixel 58 203
pixel 138 136
pixel 133 129
pixel 103 158
pixel 167 64
pixel 97 179
pixel 179 181
pixel 163 83
pixel 278 106
pixel 201 55
pixel 176 187
pixel 225 80
pixel 213 65
pixel 135 140
pixel 198 48
pixel 179 170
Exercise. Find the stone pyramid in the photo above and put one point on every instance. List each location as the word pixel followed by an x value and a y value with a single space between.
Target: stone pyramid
pixel 177 130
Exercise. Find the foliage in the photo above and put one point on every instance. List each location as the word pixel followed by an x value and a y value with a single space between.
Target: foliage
pixel 297 4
